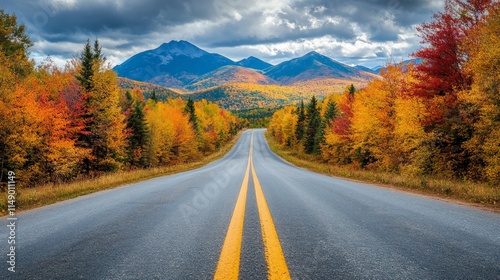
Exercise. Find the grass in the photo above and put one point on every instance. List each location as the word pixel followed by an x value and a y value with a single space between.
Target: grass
pixel 481 194
pixel 30 198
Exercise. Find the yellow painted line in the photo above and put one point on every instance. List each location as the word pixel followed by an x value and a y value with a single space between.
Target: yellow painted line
pixel 276 263
pixel 228 266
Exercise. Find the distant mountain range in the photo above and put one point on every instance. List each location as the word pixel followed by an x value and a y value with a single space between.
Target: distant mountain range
pixel 179 69
pixel 180 64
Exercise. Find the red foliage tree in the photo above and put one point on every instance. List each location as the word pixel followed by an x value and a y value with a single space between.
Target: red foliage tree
pixel 444 53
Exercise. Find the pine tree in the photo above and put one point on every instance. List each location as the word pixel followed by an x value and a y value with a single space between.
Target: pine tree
pixel 87 58
pixel 139 136
pixel 85 138
pixel 103 132
pixel 153 96
pixel 351 89
pixel 313 119
pixel 97 53
pixel 190 109
pixel 301 121
pixel 330 114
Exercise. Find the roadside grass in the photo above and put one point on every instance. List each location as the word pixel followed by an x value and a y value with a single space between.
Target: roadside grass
pixel 485 195
pixel 29 198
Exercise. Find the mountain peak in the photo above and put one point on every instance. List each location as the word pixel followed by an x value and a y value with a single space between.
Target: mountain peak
pixel 255 63
pixel 313 53
pixel 177 43
pixel 172 64
pixel 180 48
pixel 310 66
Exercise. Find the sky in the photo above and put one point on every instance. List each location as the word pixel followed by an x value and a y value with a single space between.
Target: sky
pixel 355 32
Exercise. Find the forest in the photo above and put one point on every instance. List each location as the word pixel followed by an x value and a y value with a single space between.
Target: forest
pixel 58 125
pixel 439 118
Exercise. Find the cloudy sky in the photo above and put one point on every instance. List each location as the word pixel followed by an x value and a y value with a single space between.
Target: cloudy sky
pixel 364 32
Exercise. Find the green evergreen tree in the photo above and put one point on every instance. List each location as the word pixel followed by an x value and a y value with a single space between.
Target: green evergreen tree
pixel 313 119
pixel 103 123
pixel 351 90
pixel 97 53
pixel 330 114
pixel 85 136
pixel 87 58
pixel 138 136
pixel 153 96
pixel 190 109
pixel 301 122
pixel 128 103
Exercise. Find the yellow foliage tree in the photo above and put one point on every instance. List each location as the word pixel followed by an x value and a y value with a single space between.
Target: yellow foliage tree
pixel 484 96
pixel 373 121
pixel 283 125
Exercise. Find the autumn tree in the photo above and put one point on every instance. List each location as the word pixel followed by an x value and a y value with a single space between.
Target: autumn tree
pixel 374 120
pixel 482 102
pixel 283 125
pixel 15 44
pixel 14 67
pixel 442 75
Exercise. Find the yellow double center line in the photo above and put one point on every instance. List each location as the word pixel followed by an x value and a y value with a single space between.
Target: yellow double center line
pixel 229 262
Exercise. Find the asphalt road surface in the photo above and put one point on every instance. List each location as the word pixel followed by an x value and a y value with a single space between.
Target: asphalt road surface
pixel 253 216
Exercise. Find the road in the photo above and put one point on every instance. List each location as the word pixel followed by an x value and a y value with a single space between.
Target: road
pixel 251 215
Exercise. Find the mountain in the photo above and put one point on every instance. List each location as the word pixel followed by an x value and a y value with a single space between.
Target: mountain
pixel 254 63
pixel 366 69
pixel 377 69
pixel 229 75
pixel 173 64
pixel 313 66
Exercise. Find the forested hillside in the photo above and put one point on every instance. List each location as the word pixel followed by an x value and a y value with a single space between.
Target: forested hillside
pixel 237 97
pixel 439 118
pixel 149 90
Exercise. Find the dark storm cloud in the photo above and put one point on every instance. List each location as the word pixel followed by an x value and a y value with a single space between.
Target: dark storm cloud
pixel 125 27
pixel 63 17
